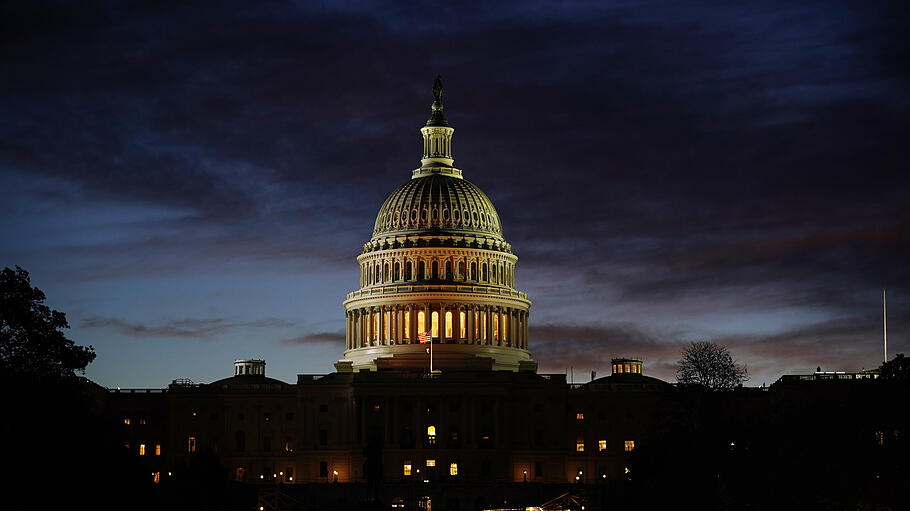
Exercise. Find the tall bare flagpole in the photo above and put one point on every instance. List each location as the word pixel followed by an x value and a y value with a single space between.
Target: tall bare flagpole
pixel 431 355
pixel 885 324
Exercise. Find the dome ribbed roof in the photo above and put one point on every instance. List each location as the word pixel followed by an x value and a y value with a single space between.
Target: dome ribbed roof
pixel 437 203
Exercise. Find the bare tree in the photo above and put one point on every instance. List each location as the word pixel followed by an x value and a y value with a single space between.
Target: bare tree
pixel 711 366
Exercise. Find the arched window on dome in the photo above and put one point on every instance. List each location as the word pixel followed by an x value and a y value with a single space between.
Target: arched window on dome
pixel 421 321
pixel 483 325
pixel 448 270
pixel 407 325
pixel 473 271
pixel 387 273
pixel 476 325
pixel 493 269
pixel 434 325
pixel 483 272
pixel 421 270
pixel 370 276
pixel 448 324
pixel 495 326
pixel 435 270
pixel 501 276
pixel 397 271
pixel 386 321
pixel 375 326
pixel 378 273
pixel 462 325
pixel 408 269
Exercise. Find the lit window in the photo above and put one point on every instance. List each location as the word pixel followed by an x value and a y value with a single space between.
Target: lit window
pixel 580 446
pixel 601 445
pixel 288 445
pixel 407 322
pixel 630 445
pixel 126 420
pixel 141 449
pixel 431 463
pixel 880 437
pixel 141 421
pixel 626 470
pixel 579 416
pixel 448 324
pixel 434 324
pixel 156 477
pixel 421 321
pixel 157 449
pixel 194 414
pixel 463 325
pixel 453 469
pixel 191 444
pixel 496 327
pixel 406 470
pixel 376 408
pixel 431 430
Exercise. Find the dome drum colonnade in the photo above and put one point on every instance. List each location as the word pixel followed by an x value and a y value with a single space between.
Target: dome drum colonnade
pixel 437 263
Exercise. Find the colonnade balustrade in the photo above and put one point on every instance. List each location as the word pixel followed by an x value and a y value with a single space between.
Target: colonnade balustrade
pixel 447 323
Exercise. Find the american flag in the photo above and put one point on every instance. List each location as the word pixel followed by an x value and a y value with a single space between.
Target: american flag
pixel 424 337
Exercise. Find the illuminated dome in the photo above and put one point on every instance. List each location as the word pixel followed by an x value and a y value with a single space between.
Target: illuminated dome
pixel 437 204
pixel 437 267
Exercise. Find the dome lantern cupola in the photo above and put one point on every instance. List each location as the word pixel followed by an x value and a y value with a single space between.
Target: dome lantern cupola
pixel 437 141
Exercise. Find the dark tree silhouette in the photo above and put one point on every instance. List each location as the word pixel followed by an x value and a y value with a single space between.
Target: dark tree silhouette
pixel 711 366
pixel 898 368
pixel 31 338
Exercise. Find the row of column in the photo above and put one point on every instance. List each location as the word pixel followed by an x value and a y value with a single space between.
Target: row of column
pixel 383 271
pixel 386 325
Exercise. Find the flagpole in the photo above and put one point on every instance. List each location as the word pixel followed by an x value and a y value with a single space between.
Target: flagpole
pixel 431 354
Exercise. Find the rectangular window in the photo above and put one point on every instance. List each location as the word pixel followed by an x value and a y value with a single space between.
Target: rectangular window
pixel 601 445
pixel 483 325
pixel 141 421
pixel 323 469
pixel 463 325
pixel 406 468
pixel 191 444
pixel 157 449
pixel 476 325
pixel 453 469
pixel 630 445
pixel 141 449
pixel 385 325
pixel 431 463
pixel 323 437
pixel 126 421
pixel 407 324
pixel 538 469
pixel 289 416
pixel 289 445
pixel 323 408
pixel 267 444
pixel 156 477
pixel 580 446
pixel 579 416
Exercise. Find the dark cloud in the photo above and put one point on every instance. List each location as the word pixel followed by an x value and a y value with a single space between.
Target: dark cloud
pixel 183 328
pixel 332 338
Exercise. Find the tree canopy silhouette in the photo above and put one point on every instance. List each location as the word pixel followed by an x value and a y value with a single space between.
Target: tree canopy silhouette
pixel 32 342
pixel 898 368
pixel 711 366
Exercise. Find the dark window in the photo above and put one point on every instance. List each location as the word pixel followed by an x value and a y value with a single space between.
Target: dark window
pixel 473 271
pixel 538 438
pixel 267 444
pixel 397 271
pixel 240 441
pixel 407 271
pixel 538 407
pixel 289 416
pixel 323 437
pixel 323 469
pixel 240 416
pixel 448 270
pixel 435 269
pixel 213 416
pixel 461 270
pixel 421 270
pixel 323 408
pixel 485 467
pixel 538 469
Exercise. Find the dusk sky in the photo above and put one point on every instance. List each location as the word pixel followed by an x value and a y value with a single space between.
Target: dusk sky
pixel 192 184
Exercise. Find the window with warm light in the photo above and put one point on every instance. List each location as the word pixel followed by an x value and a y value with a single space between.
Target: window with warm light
pixel 157 449
pixel 141 449
pixel 462 325
pixel 630 445
pixel 126 421
pixel 191 444
pixel 406 468
pixel 431 435
pixel 385 325
pixel 434 324
pixel 431 463
pixel 496 327
pixel 580 446
pixel 579 416
pixel 601 445
pixel 141 421
pixel 407 323
pixel 453 469
pixel 448 324
pixel 421 321
pixel 156 477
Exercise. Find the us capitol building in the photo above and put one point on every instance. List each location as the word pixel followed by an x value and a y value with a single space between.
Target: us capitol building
pixel 437 264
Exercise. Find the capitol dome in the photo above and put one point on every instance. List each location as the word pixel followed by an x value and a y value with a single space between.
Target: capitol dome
pixel 437 267
pixel 438 204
